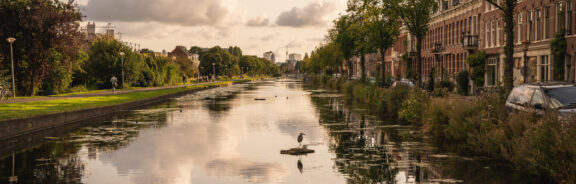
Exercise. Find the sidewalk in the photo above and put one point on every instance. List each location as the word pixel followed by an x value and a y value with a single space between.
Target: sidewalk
pixel 102 93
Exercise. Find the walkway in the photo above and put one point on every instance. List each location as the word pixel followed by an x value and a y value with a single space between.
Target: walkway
pixel 102 93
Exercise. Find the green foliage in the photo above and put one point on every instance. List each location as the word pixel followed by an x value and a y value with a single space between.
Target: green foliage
pixel 558 48
pixel 258 66
pixel 139 70
pixel 41 27
pixel 326 59
pixel 462 80
pixel 477 62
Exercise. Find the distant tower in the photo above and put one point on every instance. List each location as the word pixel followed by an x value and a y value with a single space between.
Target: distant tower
pixel 109 31
pixel 91 28
pixel 91 31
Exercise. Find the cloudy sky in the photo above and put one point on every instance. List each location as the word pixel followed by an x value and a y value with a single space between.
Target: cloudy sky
pixel 256 26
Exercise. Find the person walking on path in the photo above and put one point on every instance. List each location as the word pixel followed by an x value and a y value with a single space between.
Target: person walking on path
pixel 114 82
pixel 183 80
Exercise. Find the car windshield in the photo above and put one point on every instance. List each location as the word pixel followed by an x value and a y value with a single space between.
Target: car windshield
pixel 562 97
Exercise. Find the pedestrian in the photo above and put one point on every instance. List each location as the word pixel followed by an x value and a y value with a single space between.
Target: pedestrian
pixel 183 79
pixel 114 82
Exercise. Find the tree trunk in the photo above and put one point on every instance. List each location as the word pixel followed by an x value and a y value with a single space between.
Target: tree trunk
pixel 363 66
pixel 383 65
pixel 31 90
pixel 419 58
pixel 509 48
pixel 350 66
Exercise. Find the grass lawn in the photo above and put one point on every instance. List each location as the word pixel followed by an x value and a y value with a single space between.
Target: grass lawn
pixel 29 109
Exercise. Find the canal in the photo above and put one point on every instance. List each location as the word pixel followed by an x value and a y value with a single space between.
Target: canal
pixel 224 135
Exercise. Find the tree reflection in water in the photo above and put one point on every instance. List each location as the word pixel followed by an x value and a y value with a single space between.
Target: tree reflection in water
pixel 58 161
pixel 369 150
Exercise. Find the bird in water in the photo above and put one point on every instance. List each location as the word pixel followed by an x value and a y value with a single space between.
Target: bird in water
pixel 300 166
pixel 300 138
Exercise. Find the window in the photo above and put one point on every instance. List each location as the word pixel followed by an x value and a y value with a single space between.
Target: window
pixel 562 96
pixel 492 71
pixel 558 22
pixel 529 28
pixel 493 33
pixel 547 22
pixel 497 33
pixel 520 95
pixel 537 24
pixel 544 68
pixel 520 28
pixel 474 25
pixel 488 34
pixel 568 17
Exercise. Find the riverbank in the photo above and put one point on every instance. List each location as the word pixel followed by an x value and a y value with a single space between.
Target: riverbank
pixel 482 126
pixel 21 118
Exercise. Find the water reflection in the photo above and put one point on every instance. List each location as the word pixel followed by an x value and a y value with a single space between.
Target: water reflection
pixel 224 136
pixel 369 150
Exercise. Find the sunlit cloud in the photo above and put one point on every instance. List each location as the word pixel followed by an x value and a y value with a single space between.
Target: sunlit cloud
pixel 313 14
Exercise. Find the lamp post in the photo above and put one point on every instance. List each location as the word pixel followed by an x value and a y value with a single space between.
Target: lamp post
pixel 526 46
pixel 122 62
pixel 242 71
pixel 214 71
pixel 12 40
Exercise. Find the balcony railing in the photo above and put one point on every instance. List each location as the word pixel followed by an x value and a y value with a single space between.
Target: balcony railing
pixel 470 42
pixel 437 48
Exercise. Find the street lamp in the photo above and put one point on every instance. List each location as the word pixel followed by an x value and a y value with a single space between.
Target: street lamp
pixel 12 40
pixel 214 71
pixel 526 46
pixel 122 62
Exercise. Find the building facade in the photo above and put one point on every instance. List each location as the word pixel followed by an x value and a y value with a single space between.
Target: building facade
pixel 459 28
pixel 270 56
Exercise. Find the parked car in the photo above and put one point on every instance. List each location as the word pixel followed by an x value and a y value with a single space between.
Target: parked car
pixel 403 82
pixel 539 97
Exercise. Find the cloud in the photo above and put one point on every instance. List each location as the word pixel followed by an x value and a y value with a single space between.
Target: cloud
pixel 253 172
pixel 219 13
pixel 313 14
pixel 258 22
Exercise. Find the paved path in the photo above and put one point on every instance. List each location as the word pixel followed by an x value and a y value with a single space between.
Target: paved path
pixel 103 93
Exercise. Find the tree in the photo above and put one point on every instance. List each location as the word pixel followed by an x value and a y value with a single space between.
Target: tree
pixel 341 35
pixel 385 28
pixel 360 12
pixel 220 57
pixel 415 15
pixel 42 28
pixel 477 63
pixel 507 6
pixel 558 47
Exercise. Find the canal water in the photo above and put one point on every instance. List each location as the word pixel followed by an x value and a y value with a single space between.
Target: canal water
pixel 224 135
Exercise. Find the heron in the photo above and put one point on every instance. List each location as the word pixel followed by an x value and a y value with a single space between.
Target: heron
pixel 300 165
pixel 300 138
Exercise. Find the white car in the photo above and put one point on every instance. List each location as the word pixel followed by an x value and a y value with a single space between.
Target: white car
pixel 537 98
pixel 403 82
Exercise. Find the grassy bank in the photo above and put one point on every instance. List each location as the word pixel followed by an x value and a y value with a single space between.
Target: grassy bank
pixel 29 109
pixel 481 126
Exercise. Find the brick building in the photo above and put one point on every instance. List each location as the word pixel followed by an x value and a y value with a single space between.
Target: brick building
pixel 459 28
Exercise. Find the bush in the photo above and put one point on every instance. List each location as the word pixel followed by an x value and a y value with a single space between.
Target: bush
pixel 462 81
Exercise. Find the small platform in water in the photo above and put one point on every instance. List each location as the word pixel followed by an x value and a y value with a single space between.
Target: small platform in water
pixel 259 99
pixel 297 151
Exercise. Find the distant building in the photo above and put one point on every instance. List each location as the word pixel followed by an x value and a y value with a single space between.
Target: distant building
pixel 91 34
pixel 270 56
pixel 180 51
pixel 295 57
